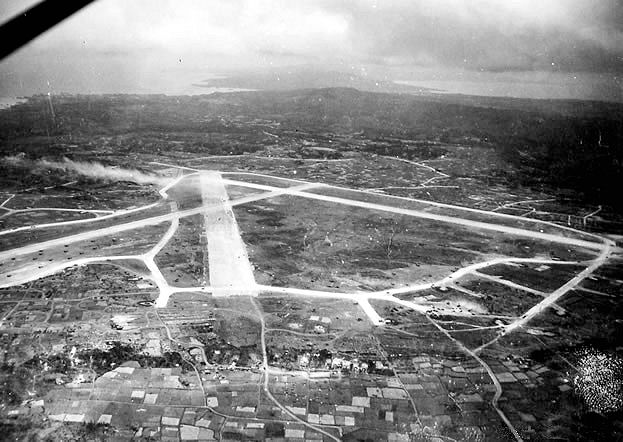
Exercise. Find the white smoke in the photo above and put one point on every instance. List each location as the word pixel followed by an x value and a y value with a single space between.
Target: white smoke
pixel 90 169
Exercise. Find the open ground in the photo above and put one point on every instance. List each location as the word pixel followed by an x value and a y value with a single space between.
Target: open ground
pixel 229 268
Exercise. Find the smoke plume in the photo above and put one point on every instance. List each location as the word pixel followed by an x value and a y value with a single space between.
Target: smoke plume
pixel 88 169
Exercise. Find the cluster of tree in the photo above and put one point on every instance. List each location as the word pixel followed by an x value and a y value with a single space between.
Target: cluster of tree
pixel 14 381
pixel 220 352
pixel 105 360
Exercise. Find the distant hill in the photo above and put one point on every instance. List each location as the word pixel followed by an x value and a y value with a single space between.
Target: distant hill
pixel 308 78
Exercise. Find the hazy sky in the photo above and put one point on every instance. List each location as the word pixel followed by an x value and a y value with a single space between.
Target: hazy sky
pixel 166 45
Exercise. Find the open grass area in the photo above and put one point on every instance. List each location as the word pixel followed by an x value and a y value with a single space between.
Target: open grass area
pixel 545 278
pixel 324 245
pixel 183 260
pixel 500 299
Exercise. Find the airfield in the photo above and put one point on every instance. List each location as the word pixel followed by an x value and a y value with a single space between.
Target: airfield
pixel 292 267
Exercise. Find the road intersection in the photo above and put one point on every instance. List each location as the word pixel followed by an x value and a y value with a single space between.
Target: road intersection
pixel 231 272
pixel 212 207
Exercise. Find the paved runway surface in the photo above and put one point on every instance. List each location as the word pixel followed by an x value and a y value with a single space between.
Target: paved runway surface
pixel 230 269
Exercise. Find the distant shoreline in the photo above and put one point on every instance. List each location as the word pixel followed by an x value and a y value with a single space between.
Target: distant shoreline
pixel 223 89
pixel 508 89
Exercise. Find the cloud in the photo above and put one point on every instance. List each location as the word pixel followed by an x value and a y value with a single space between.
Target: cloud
pixel 116 45
pixel 237 27
pixel 490 34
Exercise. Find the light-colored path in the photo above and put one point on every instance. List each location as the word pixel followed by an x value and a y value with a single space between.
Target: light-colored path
pixel 109 215
pixel 510 284
pixel 266 383
pixel 165 290
pixel 144 222
pixel 551 299
pixel 76 221
pixel 300 191
pixel 231 273
pixel 415 163
pixel 455 220
pixel 230 269
pixel 363 299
